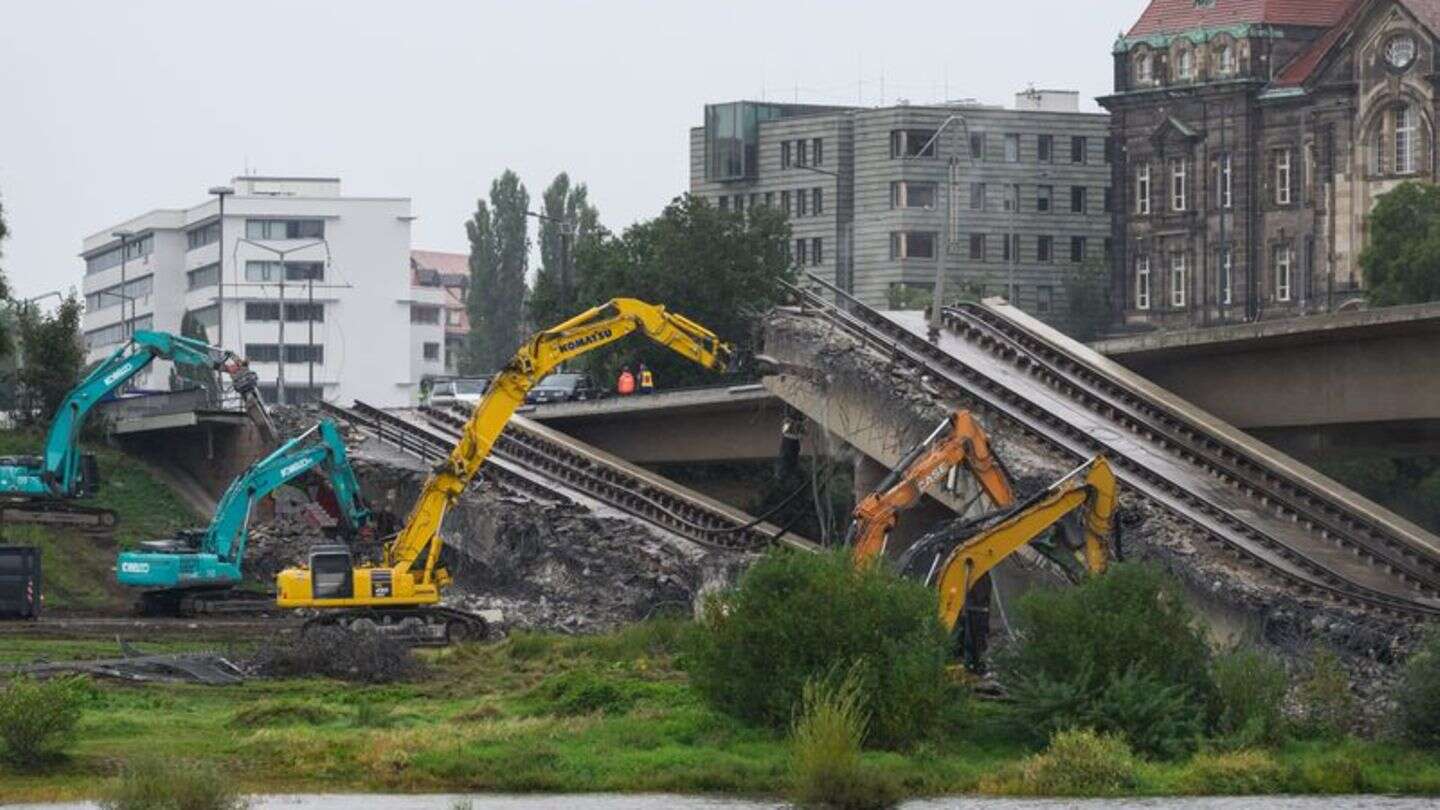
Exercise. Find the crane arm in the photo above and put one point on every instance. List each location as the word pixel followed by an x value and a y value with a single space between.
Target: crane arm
pixel 228 532
pixel 1091 488
pixel 539 355
pixel 958 440
pixel 60 461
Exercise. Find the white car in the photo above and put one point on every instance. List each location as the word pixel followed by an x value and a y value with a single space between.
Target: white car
pixel 467 390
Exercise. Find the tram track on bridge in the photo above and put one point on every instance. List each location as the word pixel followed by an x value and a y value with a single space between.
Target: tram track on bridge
pixel 546 464
pixel 1319 545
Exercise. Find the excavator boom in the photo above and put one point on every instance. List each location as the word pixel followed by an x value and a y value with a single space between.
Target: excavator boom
pixel 958 441
pixel 410 577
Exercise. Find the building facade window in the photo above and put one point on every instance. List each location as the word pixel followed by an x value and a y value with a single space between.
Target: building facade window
pixel 1012 148
pixel 260 311
pixel 1282 260
pixel 115 256
pixel 817 251
pixel 802 153
pixel 132 292
pixel 1142 189
pixel 1079 145
pixel 284 229
pixel 911 143
pixel 784 154
pixel 294 353
pixel 1044 248
pixel 1282 176
pixel 1109 201
pixel 1044 300
pixel 801 253
pixel 1077 249
pixel 913 194
pixel 430 351
pixel 424 313
pixel 1178 280
pixel 817 200
pixel 1010 247
pixel 1227 181
pixel 977 247
pixel 1226 275
pixel 977 146
pixel 912 245
pixel 202 236
pixel 1226 59
pixel 201 277
pixel 1142 282
pixel 294 271
pixel 785 202
pixel 1185 64
pixel 1042 198
pixel 802 203
pixel 1144 67
pixel 1405 140
pixel 817 149
pixel 1045 149
pixel 1077 199
pixel 1177 184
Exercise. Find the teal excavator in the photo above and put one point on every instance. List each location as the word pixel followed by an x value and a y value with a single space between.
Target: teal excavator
pixel 41 489
pixel 197 571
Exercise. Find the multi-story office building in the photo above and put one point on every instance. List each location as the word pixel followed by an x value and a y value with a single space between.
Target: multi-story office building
pixel 1252 140
pixel 1028 192
pixel 303 275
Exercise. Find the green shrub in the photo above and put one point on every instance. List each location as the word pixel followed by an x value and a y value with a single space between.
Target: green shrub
pixel 151 783
pixel 1076 763
pixel 1338 774
pixel 1120 653
pixel 1233 773
pixel 1417 696
pixel 794 616
pixel 38 719
pixel 825 744
pixel 581 691
pixel 1325 706
pixel 1250 688
pixel 283 712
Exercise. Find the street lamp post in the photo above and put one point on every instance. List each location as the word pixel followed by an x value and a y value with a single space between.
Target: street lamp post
pixel 124 237
pixel 221 192
pixel 943 249
pixel 309 313
pixel 847 240
pixel 568 228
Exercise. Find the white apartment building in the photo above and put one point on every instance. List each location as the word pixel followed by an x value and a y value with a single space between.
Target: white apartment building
pixel 340 311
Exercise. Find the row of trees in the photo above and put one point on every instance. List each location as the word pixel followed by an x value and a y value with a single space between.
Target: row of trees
pixel 719 268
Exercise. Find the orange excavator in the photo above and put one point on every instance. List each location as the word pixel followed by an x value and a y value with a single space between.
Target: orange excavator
pixel 958 441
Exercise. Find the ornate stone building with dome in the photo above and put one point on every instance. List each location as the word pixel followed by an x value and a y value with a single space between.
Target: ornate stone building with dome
pixel 1249 140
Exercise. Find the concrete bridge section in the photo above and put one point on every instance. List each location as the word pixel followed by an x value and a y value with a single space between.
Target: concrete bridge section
pixel 1315 386
pixel 736 423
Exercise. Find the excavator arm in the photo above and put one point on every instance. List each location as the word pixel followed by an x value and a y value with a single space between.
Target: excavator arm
pixel 958 441
pixel 59 473
pixel 417 543
pixel 1089 490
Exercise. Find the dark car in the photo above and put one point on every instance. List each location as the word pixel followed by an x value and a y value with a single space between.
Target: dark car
pixel 19 582
pixel 562 388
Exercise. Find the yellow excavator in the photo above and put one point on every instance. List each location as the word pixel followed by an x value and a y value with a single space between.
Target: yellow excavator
pixel 963 553
pixel 400 595
pixel 1080 507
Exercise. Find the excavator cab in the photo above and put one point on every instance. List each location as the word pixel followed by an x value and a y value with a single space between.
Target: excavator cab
pixel 331 573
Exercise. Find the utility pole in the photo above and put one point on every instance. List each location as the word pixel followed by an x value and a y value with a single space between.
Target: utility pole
pixel 221 192
pixel 948 231
pixel 309 314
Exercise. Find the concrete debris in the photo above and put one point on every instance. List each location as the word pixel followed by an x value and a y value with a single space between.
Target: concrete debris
pixel 210 669
pixel 331 652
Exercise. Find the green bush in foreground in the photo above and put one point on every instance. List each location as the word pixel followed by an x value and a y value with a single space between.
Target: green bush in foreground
pixel 1326 707
pixel 825 748
pixel 1417 696
pixel 1251 687
pixel 1234 773
pixel 1076 763
pixel 38 719
pixel 1121 653
pixel 795 616
pixel 151 783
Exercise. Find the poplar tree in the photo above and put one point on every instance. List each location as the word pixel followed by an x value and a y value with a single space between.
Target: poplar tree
pixel 568 216
pixel 499 258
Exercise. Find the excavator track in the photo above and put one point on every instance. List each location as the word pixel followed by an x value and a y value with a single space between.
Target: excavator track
pixel 60 513
pixel 426 626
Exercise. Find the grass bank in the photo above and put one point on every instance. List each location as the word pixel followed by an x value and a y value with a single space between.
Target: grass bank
pixel 79 566
pixel 607 713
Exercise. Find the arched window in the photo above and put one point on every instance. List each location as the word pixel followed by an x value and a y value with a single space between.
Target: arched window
pixel 1185 64
pixel 1406 130
pixel 1226 58
pixel 1144 66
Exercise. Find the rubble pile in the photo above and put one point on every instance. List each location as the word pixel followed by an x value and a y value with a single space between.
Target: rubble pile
pixel 330 652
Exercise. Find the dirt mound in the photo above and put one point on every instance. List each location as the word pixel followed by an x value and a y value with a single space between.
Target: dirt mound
pixel 330 652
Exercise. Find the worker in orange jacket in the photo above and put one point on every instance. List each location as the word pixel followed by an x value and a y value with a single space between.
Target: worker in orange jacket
pixel 626 384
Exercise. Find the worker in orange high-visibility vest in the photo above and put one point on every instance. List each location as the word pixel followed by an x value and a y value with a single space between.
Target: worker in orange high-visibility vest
pixel 625 386
pixel 647 380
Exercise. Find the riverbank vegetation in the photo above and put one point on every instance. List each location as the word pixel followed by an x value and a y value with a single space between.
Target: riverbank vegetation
pixel 627 712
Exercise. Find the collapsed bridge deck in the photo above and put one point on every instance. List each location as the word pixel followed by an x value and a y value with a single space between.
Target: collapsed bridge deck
pixel 1273 513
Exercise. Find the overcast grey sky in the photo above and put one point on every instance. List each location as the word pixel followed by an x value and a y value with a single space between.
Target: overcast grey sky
pixel 110 109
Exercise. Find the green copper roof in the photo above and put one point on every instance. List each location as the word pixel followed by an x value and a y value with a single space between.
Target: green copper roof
pixel 1198 36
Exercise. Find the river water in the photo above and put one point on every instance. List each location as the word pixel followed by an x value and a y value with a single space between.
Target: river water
pixel 660 802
